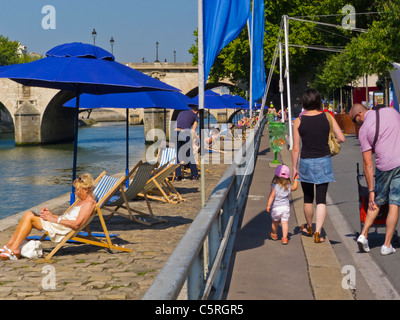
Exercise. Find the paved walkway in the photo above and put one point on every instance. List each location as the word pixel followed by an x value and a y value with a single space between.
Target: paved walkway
pixel 260 268
pixel 302 270
pixel 89 272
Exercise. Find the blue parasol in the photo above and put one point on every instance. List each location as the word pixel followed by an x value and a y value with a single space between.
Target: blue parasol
pixel 213 100
pixel 238 100
pixel 150 99
pixel 81 68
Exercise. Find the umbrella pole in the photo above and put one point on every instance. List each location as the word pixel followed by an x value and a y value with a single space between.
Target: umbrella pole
pixel 72 198
pixel 127 147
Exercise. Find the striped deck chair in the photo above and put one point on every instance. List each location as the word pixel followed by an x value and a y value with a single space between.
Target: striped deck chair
pixel 165 157
pixel 143 172
pixel 105 188
pixel 158 187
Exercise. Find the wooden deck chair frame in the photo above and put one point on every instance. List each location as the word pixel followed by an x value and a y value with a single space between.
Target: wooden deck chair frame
pixel 223 131
pixel 160 188
pixel 213 146
pixel 90 239
pixel 234 131
pixel 143 173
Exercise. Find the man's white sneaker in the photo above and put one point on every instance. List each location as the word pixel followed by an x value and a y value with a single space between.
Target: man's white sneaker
pixel 363 244
pixel 385 250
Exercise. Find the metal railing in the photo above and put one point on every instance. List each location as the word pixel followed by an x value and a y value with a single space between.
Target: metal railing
pixel 201 258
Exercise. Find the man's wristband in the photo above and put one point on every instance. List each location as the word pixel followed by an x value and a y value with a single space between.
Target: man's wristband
pixel 373 190
pixel 59 220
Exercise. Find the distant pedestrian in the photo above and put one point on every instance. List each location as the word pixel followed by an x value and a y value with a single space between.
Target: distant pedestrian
pixel 315 166
pixel 326 108
pixel 186 125
pixel 278 202
pixel 387 172
pixel 272 110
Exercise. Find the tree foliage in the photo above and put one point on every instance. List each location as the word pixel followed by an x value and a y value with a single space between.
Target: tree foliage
pixel 8 51
pixel 370 52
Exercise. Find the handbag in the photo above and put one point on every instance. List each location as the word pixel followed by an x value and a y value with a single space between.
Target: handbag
pixel 334 146
pixel 32 249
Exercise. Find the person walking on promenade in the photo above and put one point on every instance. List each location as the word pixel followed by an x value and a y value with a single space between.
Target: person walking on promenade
pixel 315 166
pixel 387 172
pixel 278 202
pixel 186 125
pixel 55 226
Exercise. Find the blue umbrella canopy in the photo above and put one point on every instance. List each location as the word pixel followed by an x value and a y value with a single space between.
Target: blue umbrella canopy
pixel 213 100
pixel 247 107
pixel 235 99
pixel 150 99
pixel 81 68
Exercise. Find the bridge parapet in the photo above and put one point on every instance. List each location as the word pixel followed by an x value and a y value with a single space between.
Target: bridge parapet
pixel 56 123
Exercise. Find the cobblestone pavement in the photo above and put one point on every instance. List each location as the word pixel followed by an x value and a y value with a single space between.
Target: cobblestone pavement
pixel 87 272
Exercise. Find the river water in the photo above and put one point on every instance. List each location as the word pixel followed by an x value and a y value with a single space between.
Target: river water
pixel 32 175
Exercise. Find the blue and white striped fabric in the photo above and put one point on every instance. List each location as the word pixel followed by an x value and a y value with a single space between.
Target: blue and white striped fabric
pixel 104 185
pixel 167 155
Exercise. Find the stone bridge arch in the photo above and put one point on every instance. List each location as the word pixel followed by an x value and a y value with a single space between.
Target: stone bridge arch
pixel 6 120
pixel 37 116
pixel 57 123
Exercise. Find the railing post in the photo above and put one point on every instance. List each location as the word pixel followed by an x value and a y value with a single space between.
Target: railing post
pixel 196 277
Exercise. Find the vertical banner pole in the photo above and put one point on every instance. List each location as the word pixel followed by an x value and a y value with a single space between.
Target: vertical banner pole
pixel 201 96
pixel 286 27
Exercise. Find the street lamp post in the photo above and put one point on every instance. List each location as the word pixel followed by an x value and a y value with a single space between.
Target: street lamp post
pixel 24 52
pixel 94 34
pixel 157 52
pixel 112 44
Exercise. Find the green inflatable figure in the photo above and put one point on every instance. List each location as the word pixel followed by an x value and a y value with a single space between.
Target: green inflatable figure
pixel 277 131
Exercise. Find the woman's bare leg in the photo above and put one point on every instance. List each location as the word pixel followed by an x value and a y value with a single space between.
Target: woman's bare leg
pixel 24 228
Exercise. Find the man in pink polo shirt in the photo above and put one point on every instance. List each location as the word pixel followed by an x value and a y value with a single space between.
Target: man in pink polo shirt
pixel 387 173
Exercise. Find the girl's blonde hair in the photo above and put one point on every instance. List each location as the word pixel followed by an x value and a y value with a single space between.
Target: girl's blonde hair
pixel 84 181
pixel 283 182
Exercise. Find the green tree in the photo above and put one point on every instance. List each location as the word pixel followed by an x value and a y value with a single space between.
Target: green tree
pixel 369 53
pixel 233 61
pixel 8 51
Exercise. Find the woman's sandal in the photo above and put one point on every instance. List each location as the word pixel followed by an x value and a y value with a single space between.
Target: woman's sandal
pixel 306 229
pixel 273 236
pixel 9 255
pixel 318 238
pixel 285 240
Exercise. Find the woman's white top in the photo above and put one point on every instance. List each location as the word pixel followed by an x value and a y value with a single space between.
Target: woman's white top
pixel 57 231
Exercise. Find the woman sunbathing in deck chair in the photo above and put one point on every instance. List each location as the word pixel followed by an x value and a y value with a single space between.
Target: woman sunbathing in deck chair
pixel 56 226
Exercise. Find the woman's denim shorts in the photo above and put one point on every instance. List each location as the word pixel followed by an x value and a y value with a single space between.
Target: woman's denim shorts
pixel 316 170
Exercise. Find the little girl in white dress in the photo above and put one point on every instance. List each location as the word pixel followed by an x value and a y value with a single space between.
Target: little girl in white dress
pixel 278 202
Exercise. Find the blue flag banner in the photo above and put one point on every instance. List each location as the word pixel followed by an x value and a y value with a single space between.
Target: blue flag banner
pixel 258 81
pixel 223 21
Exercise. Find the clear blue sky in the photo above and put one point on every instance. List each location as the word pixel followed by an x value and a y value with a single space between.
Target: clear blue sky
pixel 136 26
